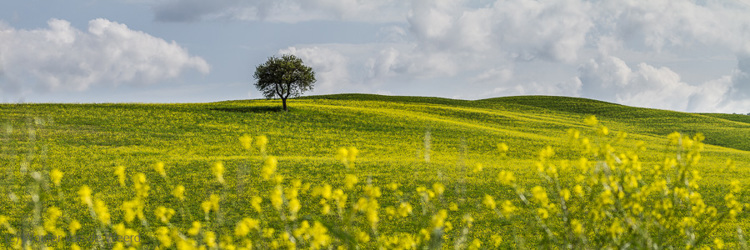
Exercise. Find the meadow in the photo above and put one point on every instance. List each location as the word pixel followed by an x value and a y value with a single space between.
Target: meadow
pixel 369 171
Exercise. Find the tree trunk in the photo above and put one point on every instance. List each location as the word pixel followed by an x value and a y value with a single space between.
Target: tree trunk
pixel 283 100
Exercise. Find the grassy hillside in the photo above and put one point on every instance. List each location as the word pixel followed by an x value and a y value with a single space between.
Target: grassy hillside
pixel 395 136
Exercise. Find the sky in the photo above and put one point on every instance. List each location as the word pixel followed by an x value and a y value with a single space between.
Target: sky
pixel 679 55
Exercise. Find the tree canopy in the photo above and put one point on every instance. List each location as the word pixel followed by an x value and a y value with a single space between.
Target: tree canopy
pixel 283 77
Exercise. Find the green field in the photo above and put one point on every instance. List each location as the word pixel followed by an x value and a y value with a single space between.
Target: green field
pixel 412 141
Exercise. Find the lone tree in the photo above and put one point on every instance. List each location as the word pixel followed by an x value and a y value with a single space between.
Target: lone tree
pixel 283 77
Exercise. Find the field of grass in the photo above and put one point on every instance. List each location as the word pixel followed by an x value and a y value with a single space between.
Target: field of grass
pixel 413 142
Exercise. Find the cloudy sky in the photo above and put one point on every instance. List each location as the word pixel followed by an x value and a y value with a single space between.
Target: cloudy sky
pixel 679 55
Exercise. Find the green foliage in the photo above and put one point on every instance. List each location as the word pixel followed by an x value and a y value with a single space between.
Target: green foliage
pixel 283 77
pixel 416 172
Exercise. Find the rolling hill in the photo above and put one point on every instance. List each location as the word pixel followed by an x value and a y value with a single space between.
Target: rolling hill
pixel 414 141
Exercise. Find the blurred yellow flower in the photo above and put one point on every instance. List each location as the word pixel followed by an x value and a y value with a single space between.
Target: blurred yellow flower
pixel 489 202
pixel 577 226
pixel 502 148
pixel 246 141
pixel 218 170
pixel 101 211
pixel 591 121
pixel 261 142
pixel 404 209
pixel 542 213
pixel 195 228
pixel 269 167
pixel 350 180
pixel 84 195
pixel 164 214
pixel 506 178
pixel 453 206
pixel 477 168
pixel 179 192
pixel 159 168
pixel 120 172
pixel 74 226
pixel 507 209
pixel 55 176
pixel 255 203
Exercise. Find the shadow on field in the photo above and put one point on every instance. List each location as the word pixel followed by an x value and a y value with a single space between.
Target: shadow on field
pixel 255 109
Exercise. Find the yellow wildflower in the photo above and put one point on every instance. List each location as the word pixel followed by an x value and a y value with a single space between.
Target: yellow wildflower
pixel 496 240
pixel 195 229
pixel 577 226
pixel 373 192
pixel 477 168
pixel 261 142
pixel 602 130
pixel 453 206
pixel 74 226
pixel 438 188
pixel 179 192
pixel 140 185
pixel 502 148
pixel 325 209
pixel 506 178
pixel 255 202
pixel 218 171
pixel 347 156
pixel 206 206
pixel 352 156
pixel 734 186
pixel 362 237
pixel 120 172
pixel 489 202
pixel 55 176
pixel 475 244
pixel 578 190
pixel 438 220
pixel 719 243
pixel 674 138
pixel 245 225
pixel 214 199
pixel 164 214
pixel 101 211
pixel 294 206
pixel 276 198
pixel 210 239
pixel 84 195
pixel 159 168
pixel 616 229
pixel 269 167
pixel 246 141
pixel 507 209
pixel 404 209
pixel 350 181
pixel 591 121
pixel 546 153
pixel 543 213
pixel 162 234
pixel 540 195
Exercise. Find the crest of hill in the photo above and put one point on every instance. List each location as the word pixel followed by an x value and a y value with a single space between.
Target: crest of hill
pixel 724 130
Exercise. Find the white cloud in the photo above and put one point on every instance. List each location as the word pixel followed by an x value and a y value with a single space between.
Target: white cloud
pixel 62 57
pixel 660 24
pixel 494 75
pixel 290 11
pixel 619 47
pixel 519 29
pixel 611 79
pixel 330 67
